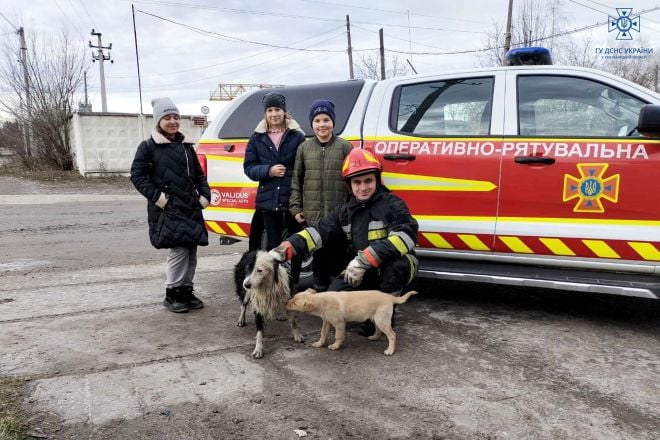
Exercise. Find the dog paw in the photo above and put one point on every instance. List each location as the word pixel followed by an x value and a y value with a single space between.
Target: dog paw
pixel 334 347
pixel 388 352
pixel 241 323
pixel 318 344
pixel 373 337
pixel 257 354
pixel 298 337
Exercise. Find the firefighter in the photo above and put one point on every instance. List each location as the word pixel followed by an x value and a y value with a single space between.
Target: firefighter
pixel 377 232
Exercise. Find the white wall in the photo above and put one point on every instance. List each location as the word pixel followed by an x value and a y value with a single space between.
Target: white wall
pixel 105 143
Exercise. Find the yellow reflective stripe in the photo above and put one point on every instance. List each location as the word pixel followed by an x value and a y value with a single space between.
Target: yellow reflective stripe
pixel 233 184
pixel 376 234
pixel 557 246
pixel 308 238
pixel 516 245
pixel 601 249
pixel 414 182
pixel 437 240
pixel 473 242
pixel 646 250
pixel 411 265
pixel 216 228
pixel 237 229
pixel 224 158
pixel 398 244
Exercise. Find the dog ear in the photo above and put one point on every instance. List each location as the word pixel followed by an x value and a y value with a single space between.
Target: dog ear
pixel 276 271
pixel 308 306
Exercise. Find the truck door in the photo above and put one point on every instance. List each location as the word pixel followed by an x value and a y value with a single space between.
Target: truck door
pixel 437 140
pixel 576 178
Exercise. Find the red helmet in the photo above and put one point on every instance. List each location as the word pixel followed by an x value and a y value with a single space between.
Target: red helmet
pixel 360 162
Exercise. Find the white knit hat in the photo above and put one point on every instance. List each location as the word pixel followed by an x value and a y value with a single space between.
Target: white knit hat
pixel 163 107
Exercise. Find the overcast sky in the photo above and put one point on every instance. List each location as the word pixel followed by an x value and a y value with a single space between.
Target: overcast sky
pixel 187 47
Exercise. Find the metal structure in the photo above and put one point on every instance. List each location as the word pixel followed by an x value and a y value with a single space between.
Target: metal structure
pixel 227 92
pixel 101 57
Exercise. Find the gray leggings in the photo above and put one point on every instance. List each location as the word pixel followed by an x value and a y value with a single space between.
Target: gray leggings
pixel 181 265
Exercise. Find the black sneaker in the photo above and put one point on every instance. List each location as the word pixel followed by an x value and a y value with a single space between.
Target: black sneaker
pixel 173 301
pixel 192 301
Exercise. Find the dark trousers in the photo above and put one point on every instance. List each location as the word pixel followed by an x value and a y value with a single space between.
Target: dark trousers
pixel 326 266
pixel 390 277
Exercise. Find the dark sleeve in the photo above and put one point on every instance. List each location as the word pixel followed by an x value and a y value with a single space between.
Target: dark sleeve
pixel 251 166
pixel 401 233
pixel 296 198
pixel 314 237
pixel 140 173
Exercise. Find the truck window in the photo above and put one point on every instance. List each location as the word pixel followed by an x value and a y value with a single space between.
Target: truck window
pixel 246 116
pixel 444 108
pixel 569 106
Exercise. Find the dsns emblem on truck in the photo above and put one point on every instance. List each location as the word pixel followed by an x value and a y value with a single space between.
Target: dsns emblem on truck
pixel 591 187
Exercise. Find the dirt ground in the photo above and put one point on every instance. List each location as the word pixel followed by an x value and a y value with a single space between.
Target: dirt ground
pixel 83 328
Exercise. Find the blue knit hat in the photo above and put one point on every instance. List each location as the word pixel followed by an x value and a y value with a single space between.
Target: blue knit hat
pixel 322 106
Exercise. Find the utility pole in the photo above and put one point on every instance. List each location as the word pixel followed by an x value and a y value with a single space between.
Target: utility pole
pixel 507 35
pixel 100 57
pixel 28 99
pixel 382 55
pixel 85 80
pixel 350 49
pixel 137 59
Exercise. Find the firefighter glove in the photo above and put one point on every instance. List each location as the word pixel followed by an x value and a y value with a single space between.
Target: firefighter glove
pixel 283 252
pixel 355 270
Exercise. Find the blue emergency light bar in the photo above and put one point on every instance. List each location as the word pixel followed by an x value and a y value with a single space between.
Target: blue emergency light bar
pixel 527 56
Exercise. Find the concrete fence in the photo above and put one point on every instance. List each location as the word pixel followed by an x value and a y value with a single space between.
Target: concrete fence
pixel 105 143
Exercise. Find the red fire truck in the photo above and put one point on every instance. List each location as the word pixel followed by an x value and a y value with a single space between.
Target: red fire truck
pixel 534 175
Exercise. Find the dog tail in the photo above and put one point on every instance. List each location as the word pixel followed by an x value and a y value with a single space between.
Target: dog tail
pixel 403 298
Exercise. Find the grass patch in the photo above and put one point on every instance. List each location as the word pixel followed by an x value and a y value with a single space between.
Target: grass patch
pixel 12 421
pixel 55 177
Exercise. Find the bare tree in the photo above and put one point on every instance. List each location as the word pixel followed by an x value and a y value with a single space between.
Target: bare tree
pixel 55 71
pixel 635 68
pixel 369 67
pixel 535 23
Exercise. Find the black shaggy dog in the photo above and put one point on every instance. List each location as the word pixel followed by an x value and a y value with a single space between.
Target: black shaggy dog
pixel 267 285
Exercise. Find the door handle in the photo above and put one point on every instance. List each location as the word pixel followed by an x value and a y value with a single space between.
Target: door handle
pixel 399 157
pixel 527 160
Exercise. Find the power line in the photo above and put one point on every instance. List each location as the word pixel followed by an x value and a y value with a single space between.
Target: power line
pixel 7 20
pixel 87 12
pixel 400 39
pixel 68 19
pixel 560 34
pixel 242 69
pixel 230 38
pixel 392 11
pixel 587 6
pixel 283 15
pixel 176 72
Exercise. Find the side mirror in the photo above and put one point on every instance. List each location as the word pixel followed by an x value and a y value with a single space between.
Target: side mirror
pixel 648 123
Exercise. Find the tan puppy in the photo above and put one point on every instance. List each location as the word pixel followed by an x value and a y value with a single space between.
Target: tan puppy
pixel 338 308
